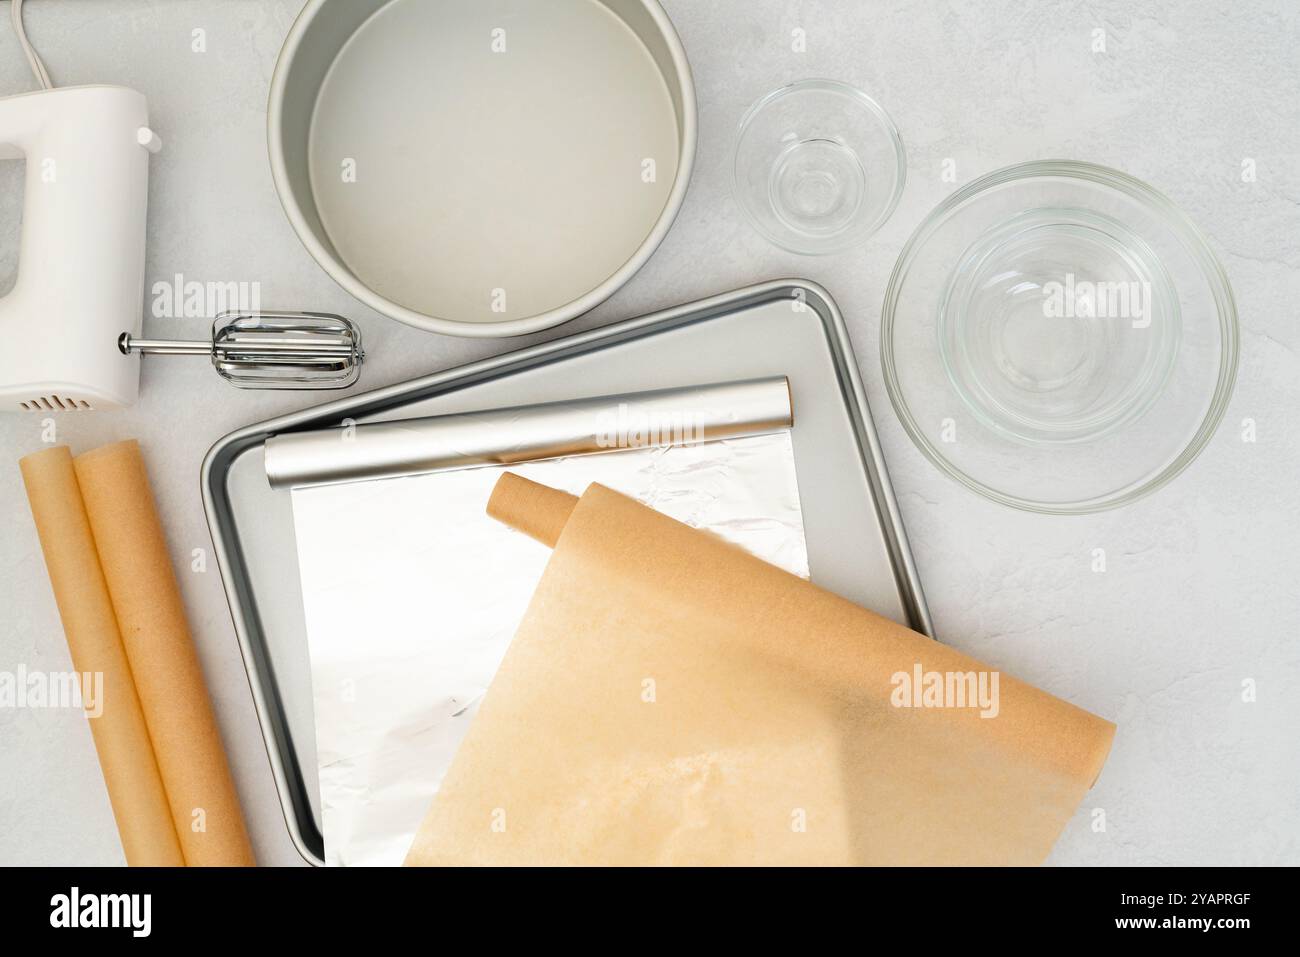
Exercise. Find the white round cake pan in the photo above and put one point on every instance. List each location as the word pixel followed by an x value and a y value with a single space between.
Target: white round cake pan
pixel 481 167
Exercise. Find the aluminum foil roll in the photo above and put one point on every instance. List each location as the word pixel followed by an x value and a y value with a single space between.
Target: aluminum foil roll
pixel 666 417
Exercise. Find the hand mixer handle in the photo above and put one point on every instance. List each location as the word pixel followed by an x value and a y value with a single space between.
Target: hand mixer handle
pixel 81 260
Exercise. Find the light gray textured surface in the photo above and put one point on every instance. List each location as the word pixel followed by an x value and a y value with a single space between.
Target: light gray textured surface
pixel 1199 594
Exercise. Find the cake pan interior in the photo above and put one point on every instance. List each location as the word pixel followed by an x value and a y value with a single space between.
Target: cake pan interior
pixel 481 167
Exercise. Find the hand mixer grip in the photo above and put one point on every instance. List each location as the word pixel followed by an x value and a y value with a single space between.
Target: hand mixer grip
pixel 80 277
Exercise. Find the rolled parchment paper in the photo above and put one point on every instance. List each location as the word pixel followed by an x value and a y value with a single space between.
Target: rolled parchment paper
pixel 681 416
pixel 126 757
pixel 168 677
pixel 670 699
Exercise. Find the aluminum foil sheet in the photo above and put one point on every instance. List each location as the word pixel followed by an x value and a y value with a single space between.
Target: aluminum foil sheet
pixel 412 594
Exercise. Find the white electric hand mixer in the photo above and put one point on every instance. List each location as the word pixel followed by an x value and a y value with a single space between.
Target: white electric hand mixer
pixel 79 294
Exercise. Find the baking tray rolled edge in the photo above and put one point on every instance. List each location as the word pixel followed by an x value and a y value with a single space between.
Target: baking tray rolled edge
pixel 240 597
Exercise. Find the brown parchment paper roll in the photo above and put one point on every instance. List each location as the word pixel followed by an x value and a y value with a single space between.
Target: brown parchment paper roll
pixel 168 677
pixel 135 788
pixel 669 699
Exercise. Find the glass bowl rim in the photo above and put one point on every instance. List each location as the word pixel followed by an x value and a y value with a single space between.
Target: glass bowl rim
pixel 822 84
pixel 1193 240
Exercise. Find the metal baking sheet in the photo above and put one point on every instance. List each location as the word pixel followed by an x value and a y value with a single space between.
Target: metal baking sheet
pixel 856 543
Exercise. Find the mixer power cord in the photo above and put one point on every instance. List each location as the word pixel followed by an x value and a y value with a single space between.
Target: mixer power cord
pixel 33 58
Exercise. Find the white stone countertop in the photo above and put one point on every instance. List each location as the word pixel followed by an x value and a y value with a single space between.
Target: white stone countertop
pixel 1200 589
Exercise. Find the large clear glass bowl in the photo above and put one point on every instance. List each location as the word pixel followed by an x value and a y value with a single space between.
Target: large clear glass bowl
pixel 1059 337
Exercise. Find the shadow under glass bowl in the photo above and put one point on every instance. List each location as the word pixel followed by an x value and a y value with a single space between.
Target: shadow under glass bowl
pixel 1059 337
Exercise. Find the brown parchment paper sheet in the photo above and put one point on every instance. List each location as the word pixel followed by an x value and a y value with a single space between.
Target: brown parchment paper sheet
pixel 168 677
pixel 135 788
pixel 669 699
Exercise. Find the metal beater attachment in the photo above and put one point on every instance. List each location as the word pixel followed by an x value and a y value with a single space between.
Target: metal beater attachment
pixel 271 350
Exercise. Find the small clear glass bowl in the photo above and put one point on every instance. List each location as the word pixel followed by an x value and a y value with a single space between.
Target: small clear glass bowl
pixel 1059 337
pixel 819 166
